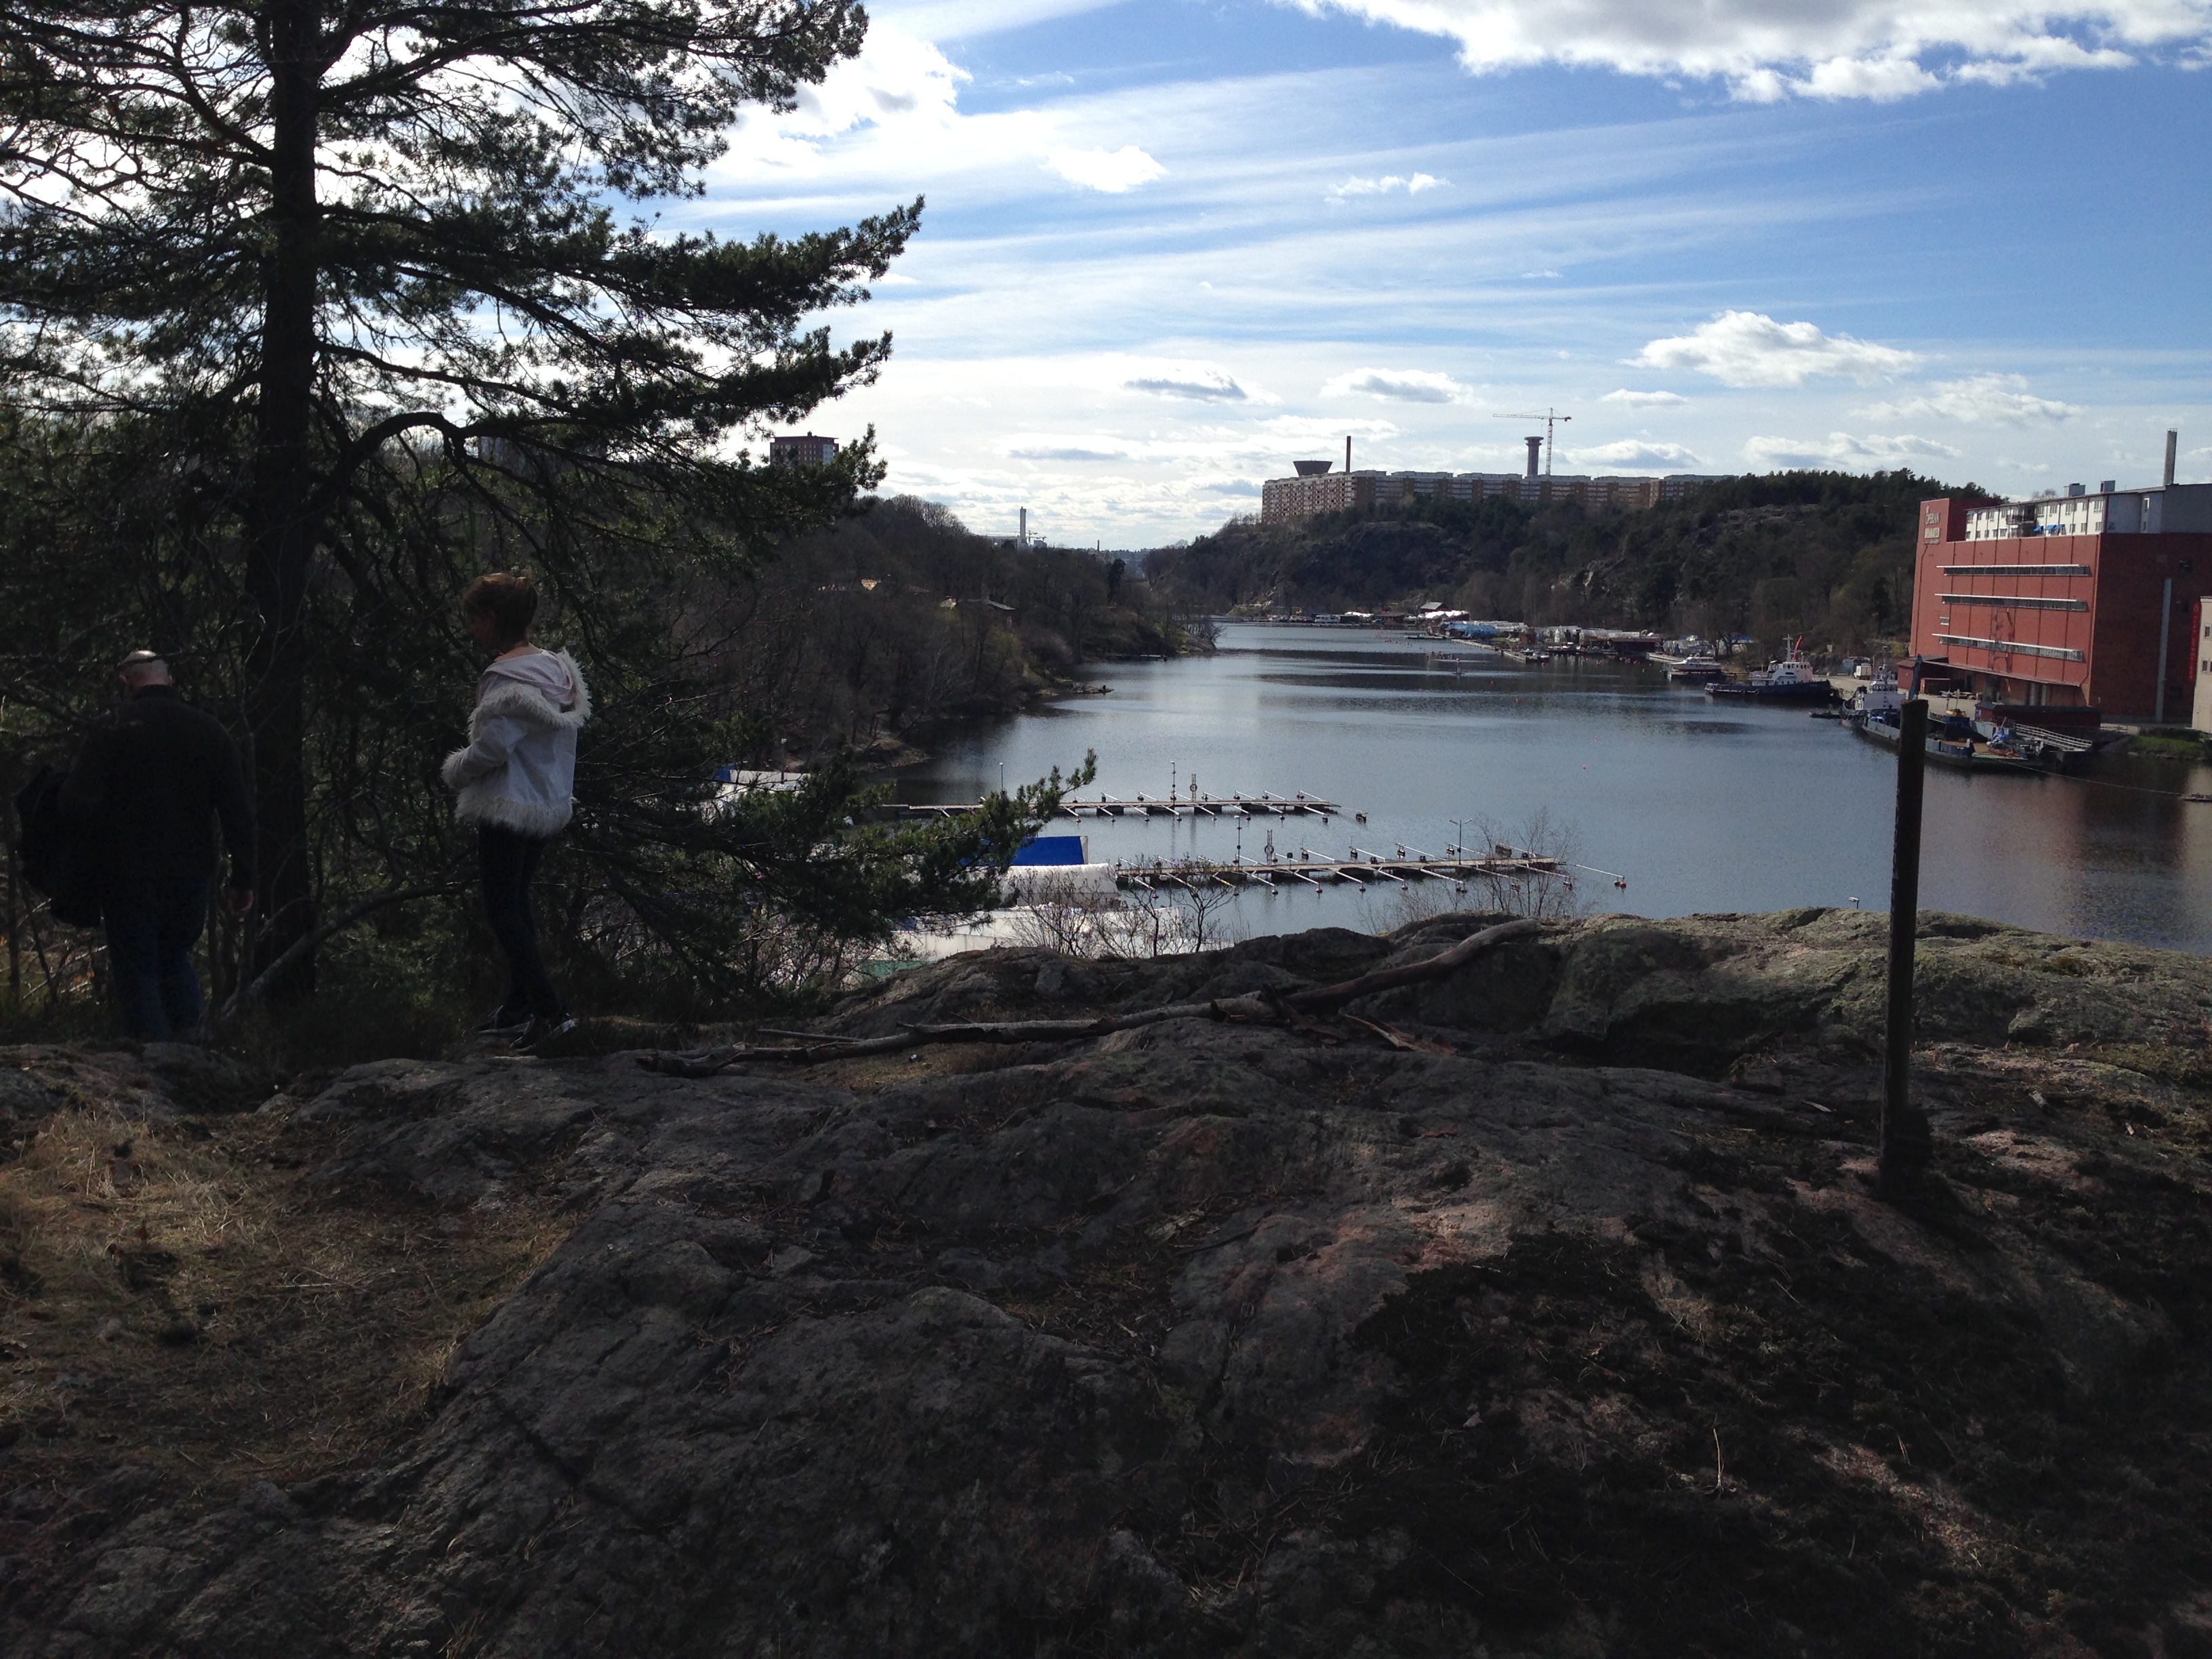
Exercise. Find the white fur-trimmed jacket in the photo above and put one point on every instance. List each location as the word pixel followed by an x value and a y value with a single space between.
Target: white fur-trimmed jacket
pixel 519 770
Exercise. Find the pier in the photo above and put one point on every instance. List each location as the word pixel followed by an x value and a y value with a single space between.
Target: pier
pixel 1369 870
pixel 1262 805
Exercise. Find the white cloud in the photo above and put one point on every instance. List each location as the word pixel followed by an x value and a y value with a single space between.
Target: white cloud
pixel 1405 386
pixel 897 103
pixel 962 20
pixel 1112 171
pixel 897 79
pixel 1645 399
pixel 1632 452
pixel 1382 186
pixel 1767 50
pixel 1032 448
pixel 1200 382
pixel 1985 399
pixel 1746 348
pixel 1841 449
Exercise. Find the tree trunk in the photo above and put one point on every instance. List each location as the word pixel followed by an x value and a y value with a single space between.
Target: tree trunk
pixel 280 537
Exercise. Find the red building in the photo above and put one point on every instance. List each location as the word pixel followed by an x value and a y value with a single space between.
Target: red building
pixel 2077 601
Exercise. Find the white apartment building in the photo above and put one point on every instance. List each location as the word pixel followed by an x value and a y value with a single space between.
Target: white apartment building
pixel 2110 511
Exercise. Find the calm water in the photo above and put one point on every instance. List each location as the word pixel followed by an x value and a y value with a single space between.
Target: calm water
pixel 1702 806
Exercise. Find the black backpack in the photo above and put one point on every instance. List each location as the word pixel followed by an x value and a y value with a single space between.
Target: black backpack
pixel 57 858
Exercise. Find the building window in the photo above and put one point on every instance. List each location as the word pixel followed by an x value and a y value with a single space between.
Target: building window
pixel 2021 601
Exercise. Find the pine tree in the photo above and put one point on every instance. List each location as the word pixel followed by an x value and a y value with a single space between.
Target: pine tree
pixel 304 239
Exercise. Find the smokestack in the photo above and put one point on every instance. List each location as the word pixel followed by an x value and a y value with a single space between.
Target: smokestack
pixel 1535 449
pixel 1025 528
pixel 2172 441
pixel 1348 453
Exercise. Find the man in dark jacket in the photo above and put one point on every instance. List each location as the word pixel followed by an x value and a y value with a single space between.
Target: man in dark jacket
pixel 151 789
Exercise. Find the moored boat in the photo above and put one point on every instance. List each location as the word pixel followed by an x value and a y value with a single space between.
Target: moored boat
pixel 1789 680
pixel 1955 743
pixel 1880 698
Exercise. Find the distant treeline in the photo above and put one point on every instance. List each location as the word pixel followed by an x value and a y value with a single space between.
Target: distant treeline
pixel 1828 554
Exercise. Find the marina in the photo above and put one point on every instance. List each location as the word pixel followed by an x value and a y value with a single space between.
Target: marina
pixel 1701 804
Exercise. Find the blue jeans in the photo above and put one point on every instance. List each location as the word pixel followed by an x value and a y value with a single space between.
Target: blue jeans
pixel 507 860
pixel 153 922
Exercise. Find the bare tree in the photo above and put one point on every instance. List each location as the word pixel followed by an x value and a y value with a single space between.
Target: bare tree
pixel 1530 871
pixel 1170 910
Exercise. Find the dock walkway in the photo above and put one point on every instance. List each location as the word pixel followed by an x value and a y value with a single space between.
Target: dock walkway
pixel 1311 872
pixel 1109 806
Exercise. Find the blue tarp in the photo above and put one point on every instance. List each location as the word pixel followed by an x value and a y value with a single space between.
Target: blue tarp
pixel 1051 849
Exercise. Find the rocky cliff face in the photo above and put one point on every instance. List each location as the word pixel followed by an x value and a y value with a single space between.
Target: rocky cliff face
pixel 1557 1319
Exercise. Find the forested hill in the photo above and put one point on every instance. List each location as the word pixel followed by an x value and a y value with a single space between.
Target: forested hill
pixel 1826 554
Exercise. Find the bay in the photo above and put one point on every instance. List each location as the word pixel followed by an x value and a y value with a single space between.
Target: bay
pixel 1699 806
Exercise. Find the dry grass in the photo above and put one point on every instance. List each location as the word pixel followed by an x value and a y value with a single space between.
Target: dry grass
pixel 184 1295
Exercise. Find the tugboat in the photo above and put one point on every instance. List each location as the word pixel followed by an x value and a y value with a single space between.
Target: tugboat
pixel 1791 680
pixel 1879 699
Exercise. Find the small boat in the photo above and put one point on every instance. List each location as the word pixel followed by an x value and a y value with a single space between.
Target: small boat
pixel 1695 670
pixel 1789 680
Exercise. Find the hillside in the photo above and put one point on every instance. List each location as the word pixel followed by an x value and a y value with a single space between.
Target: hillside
pixel 1549 1315
pixel 901 617
pixel 1826 554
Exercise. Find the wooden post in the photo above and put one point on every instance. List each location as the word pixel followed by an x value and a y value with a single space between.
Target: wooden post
pixel 1905 1145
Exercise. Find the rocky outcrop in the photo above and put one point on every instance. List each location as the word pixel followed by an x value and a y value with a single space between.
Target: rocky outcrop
pixel 1558 1319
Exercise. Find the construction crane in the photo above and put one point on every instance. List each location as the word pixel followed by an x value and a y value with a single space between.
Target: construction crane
pixel 1548 417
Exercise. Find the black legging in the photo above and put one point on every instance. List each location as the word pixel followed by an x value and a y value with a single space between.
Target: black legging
pixel 508 860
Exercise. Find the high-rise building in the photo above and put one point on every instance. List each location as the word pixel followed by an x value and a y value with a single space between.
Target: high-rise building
pixel 801 449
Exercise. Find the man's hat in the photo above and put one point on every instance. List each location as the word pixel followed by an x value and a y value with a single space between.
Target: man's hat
pixel 138 660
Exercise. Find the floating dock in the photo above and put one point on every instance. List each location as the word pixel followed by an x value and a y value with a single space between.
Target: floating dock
pixel 1262 805
pixel 1373 871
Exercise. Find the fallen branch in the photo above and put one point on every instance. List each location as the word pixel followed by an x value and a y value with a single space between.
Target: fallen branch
pixel 1263 1010
pixel 1326 997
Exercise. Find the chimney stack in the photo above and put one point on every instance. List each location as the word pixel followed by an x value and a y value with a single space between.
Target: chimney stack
pixel 1348 453
pixel 1024 539
pixel 2172 443
pixel 1535 449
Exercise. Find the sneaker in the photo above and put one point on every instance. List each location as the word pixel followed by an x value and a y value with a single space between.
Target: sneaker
pixel 504 1021
pixel 541 1031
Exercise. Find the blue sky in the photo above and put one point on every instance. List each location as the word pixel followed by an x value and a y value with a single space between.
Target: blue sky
pixel 1171 247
